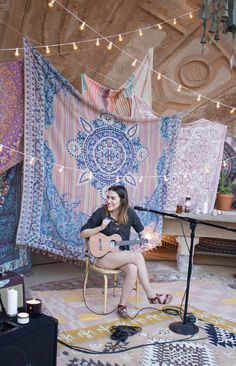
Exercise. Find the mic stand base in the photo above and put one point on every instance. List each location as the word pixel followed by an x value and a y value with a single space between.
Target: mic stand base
pixel 184 328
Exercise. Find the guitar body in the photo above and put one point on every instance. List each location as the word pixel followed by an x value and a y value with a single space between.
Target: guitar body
pixel 101 244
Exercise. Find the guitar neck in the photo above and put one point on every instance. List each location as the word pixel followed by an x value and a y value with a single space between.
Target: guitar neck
pixel 131 242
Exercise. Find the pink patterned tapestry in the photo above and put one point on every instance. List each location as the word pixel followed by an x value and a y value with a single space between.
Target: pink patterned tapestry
pixel 74 152
pixel 229 158
pixel 11 113
pixel 195 169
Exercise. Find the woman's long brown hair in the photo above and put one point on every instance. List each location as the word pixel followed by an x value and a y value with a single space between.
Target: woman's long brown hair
pixel 124 203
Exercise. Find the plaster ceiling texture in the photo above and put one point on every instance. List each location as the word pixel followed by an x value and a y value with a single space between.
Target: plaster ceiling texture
pixel 177 49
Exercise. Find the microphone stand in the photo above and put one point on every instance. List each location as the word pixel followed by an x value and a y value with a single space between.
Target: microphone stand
pixel 185 327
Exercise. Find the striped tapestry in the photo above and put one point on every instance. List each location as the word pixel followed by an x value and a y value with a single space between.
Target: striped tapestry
pixel 74 152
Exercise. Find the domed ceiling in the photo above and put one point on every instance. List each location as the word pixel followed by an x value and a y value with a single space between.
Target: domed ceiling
pixel 178 52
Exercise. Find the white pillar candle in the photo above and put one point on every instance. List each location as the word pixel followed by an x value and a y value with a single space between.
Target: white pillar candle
pixel 11 302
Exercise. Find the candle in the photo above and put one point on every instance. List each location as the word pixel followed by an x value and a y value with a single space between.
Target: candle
pixel 22 318
pixel 11 302
pixel 34 307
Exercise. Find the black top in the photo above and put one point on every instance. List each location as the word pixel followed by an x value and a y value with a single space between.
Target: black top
pixel 113 227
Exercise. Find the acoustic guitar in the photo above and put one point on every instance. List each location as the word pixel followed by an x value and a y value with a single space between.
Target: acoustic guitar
pixel 101 244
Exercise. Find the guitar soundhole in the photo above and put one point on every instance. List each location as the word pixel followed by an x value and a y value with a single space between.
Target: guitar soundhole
pixel 112 243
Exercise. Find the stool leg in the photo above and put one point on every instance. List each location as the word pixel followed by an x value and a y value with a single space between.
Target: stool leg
pixel 115 284
pixel 105 293
pixel 85 283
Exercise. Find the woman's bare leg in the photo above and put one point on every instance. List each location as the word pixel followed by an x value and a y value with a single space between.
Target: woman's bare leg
pixel 130 270
pixel 122 258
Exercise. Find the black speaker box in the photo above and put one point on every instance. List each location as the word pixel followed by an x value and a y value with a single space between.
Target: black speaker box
pixel 32 344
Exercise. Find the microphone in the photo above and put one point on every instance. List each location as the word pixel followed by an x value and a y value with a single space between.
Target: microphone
pixel 140 208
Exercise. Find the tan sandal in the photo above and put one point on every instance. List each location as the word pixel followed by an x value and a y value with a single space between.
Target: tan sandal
pixel 160 299
pixel 122 311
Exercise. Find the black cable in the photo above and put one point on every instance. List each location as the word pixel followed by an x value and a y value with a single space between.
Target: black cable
pixel 88 351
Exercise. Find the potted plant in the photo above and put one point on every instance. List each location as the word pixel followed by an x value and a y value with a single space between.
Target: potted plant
pixel 225 195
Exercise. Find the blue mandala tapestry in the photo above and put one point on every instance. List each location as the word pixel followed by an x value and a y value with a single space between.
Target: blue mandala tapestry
pixel 72 158
pixel 11 258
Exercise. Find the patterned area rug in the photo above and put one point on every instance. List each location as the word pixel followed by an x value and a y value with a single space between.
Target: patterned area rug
pixel 214 344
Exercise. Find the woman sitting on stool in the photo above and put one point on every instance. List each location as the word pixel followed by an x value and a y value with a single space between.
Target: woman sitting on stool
pixel 116 217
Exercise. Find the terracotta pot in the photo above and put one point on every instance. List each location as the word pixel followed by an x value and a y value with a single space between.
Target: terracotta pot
pixel 224 201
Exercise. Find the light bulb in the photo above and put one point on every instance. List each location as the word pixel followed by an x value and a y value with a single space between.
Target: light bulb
pixel 97 42
pixel 140 32
pixel 50 4
pixel 158 76
pixel 75 47
pixel 232 110
pixel 224 163
pixel 47 50
pixel 179 88
pixel 17 52
pixel 120 38
pixel 190 15
pixel 31 161
pixel 134 63
pixel 61 169
pixel 218 105
pixel 109 47
pixel 140 179
pixel 159 26
pixel 1 148
pixel 199 97
pixel 174 21
pixel 82 26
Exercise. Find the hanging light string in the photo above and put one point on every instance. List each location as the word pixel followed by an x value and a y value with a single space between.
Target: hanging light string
pixel 101 37
pixel 110 44
pixel 134 62
pixel 33 159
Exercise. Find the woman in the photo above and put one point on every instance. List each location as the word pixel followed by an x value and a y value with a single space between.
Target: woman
pixel 116 217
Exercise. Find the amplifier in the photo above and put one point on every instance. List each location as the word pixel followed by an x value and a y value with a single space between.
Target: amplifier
pixel 13 280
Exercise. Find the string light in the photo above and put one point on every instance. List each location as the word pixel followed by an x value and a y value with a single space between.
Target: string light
pixel 140 179
pixel 51 3
pixel 232 110
pixel 190 15
pixel 61 169
pixel 134 63
pixel 47 50
pixel 120 38
pixel 174 21
pixel 179 88
pixel 17 52
pixel 82 26
pixel 75 47
pixel 140 32
pixel 158 76
pixel 199 97
pixel 218 105
pixel 97 42
pixel 109 47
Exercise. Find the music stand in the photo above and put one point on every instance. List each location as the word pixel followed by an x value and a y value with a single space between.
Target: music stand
pixel 185 327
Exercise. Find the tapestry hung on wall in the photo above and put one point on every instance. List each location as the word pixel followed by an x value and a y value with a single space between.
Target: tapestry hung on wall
pixel 196 166
pixel 11 257
pixel 72 158
pixel 12 113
